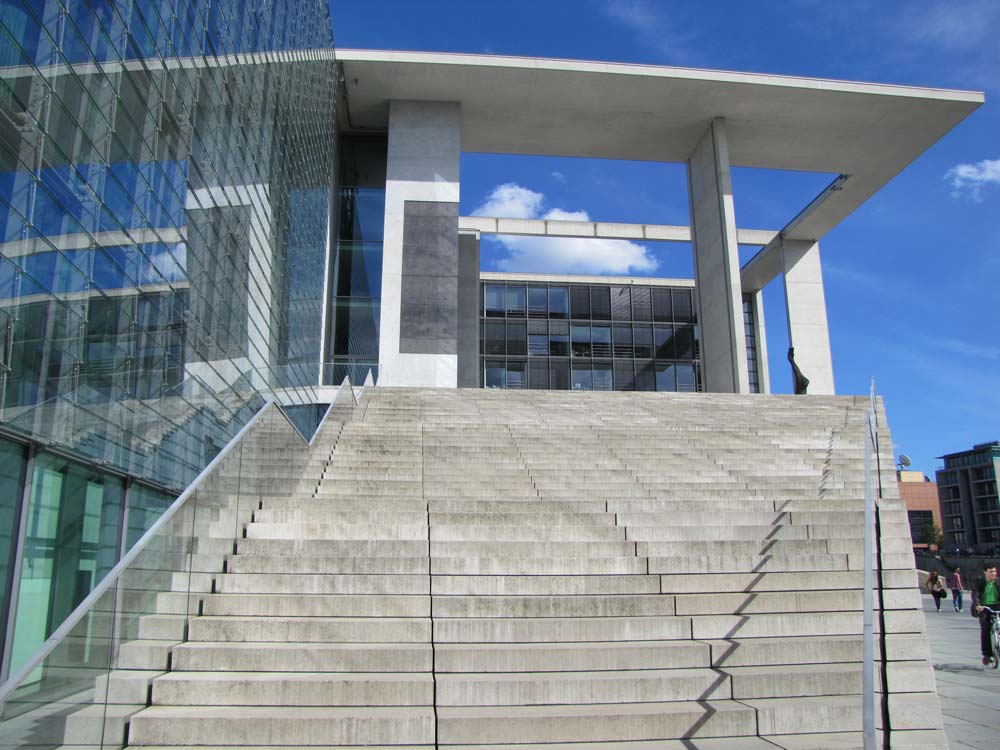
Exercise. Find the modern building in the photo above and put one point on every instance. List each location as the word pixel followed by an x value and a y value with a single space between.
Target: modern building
pixel 203 206
pixel 923 509
pixel 967 488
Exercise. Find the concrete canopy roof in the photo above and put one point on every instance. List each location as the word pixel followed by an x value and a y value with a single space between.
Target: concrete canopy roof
pixel 869 132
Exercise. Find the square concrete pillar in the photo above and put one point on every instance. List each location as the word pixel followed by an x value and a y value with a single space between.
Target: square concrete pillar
pixel 418 337
pixel 468 310
pixel 806 305
pixel 717 265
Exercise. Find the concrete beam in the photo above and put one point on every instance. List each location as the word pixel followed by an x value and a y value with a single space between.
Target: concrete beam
pixel 717 270
pixel 600 229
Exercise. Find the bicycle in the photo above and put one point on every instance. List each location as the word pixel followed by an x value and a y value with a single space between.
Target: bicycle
pixel 994 635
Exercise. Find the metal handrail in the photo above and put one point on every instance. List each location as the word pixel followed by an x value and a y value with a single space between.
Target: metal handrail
pixel 74 618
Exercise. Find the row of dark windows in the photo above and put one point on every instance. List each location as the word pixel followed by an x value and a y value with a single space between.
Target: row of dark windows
pixel 588 302
pixel 564 374
pixel 561 339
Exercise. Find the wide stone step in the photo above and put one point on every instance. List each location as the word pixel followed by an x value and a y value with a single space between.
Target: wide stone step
pixel 290 583
pixel 569 657
pixel 311 629
pixel 600 722
pixel 328 565
pixel 604 605
pixel 721 561
pixel 317 605
pixel 512 566
pixel 293 689
pixel 302 657
pixel 577 688
pixel 564 630
pixel 242 726
pixel 565 585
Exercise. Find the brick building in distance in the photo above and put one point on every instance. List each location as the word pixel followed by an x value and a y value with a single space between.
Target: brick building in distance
pixel 922 505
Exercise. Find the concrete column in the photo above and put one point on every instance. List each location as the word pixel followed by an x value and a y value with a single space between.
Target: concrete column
pixel 716 263
pixel 418 337
pixel 760 334
pixel 468 310
pixel 806 305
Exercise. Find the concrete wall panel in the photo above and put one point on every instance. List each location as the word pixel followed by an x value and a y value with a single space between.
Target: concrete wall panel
pixel 806 305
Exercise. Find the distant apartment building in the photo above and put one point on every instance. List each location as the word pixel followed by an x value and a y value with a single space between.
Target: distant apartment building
pixel 967 488
pixel 922 505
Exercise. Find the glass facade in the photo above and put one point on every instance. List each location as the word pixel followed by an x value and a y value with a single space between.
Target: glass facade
pixel 572 336
pixel 166 180
pixel 166 169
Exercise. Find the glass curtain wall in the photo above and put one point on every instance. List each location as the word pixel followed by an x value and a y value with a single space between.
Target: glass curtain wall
pixel 166 173
pixel 588 337
pixel 356 272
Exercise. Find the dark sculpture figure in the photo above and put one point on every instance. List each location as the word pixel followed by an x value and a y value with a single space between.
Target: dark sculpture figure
pixel 800 380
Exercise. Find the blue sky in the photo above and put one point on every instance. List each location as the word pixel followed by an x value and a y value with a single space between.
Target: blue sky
pixel 911 277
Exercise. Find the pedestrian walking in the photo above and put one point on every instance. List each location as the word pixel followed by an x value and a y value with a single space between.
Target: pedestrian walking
pixel 956 586
pixel 935 586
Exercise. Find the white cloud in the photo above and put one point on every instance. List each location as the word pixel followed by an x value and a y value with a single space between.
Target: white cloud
pixel 511 201
pixel 559 177
pixel 527 254
pixel 972 178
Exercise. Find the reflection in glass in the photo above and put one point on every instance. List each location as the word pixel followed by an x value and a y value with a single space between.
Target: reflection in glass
pixel 558 345
pixel 538 344
pixel 494 300
pixel 603 380
pixel 516 375
pixel 582 377
pixel 517 339
pixel 496 376
pixel 559 374
pixel 581 341
pixel 12 462
pixel 538 302
pixel 558 302
pixel 666 379
pixel 515 301
pixel 72 541
pixel 601 338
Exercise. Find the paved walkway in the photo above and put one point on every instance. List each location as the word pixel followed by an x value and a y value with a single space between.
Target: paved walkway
pixel 970 692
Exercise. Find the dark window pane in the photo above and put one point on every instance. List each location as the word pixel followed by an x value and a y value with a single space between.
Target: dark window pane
pixel 559 374
pixel 559 326
pixel 538 326
pixel 580 299
pixel 645 376
pixel 683 306
pixel 494 300
pixel 496 337
pixel 538 344
pixel 663 340
pixel 602 376
pixel 356 330
pixel 600 337
pixel 515 301
pixel 624 377
pixel 581 341
pixel 558 345
pixel 623 341
pixel 641 309
pixel 621 303
pixel 684 342
pixel 666 379
pixel 496 374
pixel 643 342
pixel 558 302
pixel 517 339
pixel 582 377
pixel 359 270
pixel 538 374
pixel 538 302
pixel 600 302
pixel 516 375
pixel 662 309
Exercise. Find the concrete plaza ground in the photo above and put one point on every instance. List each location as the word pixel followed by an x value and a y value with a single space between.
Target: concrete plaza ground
pixel 970 692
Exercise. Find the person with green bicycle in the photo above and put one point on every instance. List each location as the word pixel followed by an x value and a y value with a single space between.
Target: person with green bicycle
pixel 985 601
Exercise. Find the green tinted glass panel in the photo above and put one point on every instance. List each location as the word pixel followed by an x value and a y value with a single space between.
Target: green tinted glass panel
pixel 72 539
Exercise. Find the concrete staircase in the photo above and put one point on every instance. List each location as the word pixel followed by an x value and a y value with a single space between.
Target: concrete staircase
pixel 504 569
